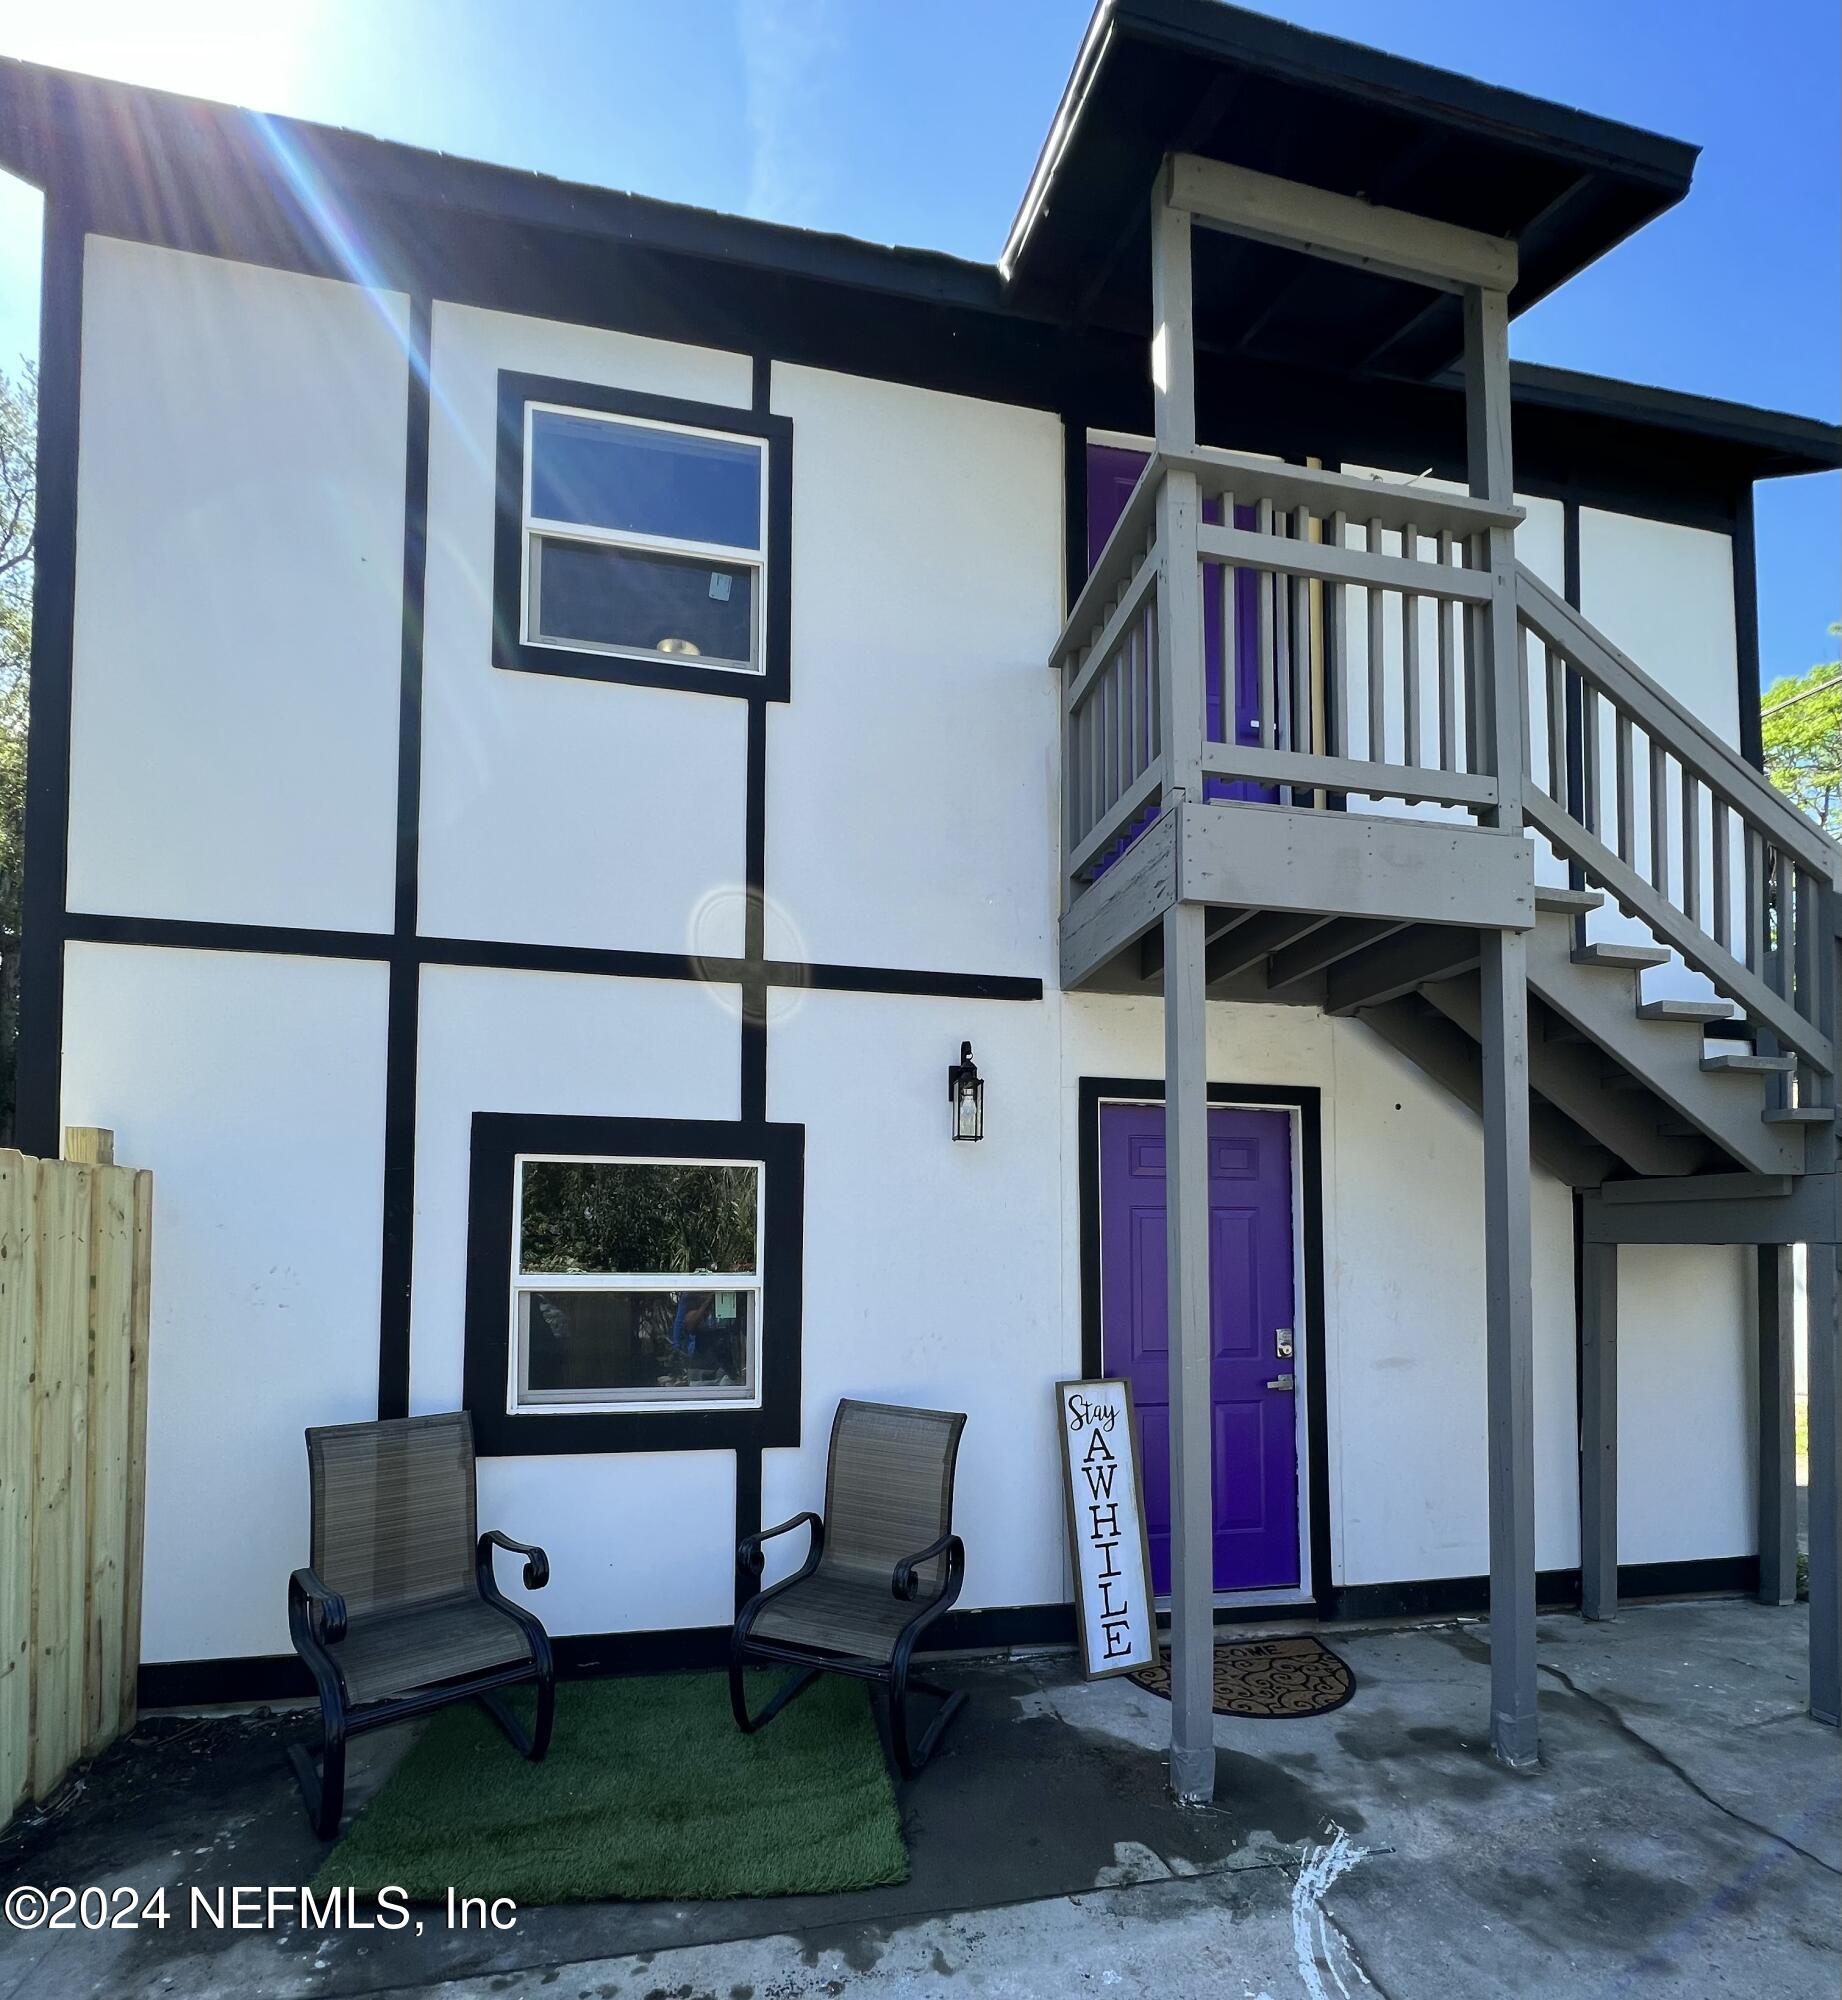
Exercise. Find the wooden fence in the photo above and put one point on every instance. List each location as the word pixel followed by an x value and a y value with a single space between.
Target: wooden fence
pixel 75 1263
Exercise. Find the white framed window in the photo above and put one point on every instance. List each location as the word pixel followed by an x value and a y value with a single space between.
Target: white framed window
pixel 643 539
pixel 636 1284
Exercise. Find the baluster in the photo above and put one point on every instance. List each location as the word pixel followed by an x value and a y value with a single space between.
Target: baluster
pixel 1071 761
pixel 1755 892
pixel 1719 837
pixel 1155 675
pixel 1287 722
pixel 1079 822
pixel 1476 557
pixel 1784 966
pixel 1808 949
pixel 1691 845
pixel 1377 692
pixel 1117 725
pixel 1659 817
pixel 1627 800
pixel 1448 690
pixel 1335 603
pixel 1557 726
pixel 1590 763
pixel 1410 655
pixel 1231 641
pixel 1304 736
pixel 1263 625
pixel 1809 944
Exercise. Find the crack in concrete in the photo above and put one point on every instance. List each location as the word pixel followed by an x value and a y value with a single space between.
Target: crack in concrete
pixel 1669 1764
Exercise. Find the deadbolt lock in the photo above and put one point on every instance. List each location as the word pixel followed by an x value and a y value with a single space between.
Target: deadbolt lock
pixel 1282 1343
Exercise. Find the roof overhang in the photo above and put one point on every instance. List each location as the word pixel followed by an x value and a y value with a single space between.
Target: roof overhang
pixel 161 168
pixel 1194 76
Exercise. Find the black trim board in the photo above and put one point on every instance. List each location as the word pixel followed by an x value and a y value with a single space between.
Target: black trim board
pixel 37 1113
pixel 512 651
pixel 403 1015
pixel 262 1677
pixel 1306 1100
pixel 498 1137
pixel 510 955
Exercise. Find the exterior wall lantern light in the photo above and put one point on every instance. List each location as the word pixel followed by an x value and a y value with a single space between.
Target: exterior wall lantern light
pixel 966 1093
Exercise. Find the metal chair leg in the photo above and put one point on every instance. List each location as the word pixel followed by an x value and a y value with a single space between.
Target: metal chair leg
pixel 912 1758
pixel 738 1695
pixel 529 1743
pixel 323 1784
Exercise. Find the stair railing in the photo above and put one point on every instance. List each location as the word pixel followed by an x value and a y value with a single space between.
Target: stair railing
pixel 1721 866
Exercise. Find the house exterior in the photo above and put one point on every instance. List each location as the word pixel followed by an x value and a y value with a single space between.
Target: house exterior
pixel 556 716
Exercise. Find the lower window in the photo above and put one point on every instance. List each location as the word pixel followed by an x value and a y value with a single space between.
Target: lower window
pixel 637 1283
pixel 633 1284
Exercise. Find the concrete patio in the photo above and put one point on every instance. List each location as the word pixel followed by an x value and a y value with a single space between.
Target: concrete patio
pixel 1683 1835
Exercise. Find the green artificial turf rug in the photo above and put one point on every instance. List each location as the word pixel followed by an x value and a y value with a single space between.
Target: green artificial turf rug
pixel 649 1793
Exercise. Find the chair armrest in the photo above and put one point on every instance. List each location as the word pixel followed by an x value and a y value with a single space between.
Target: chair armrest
pixel 750 1558
pixel 322 1610
pixel 902 1584
pixel 536 1563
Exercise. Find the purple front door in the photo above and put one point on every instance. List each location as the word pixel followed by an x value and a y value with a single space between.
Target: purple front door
pixel 1252 1423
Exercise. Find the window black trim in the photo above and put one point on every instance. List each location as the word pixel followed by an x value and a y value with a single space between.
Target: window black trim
pixel 498 1137
pixel 509 649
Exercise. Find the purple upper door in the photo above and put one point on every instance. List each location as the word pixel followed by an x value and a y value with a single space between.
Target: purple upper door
pixel 1253 1422
pixel 1112 472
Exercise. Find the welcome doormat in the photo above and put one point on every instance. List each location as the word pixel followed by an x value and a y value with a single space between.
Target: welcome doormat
pixel 650 1792
pixel 1267 1678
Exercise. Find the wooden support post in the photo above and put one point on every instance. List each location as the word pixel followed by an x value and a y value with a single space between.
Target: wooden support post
pixel 1777 1427
pixel 1173 323
pixel 1487 435
pixel 1508 1260
pixel 1510 1366
pixel 1823 1154
pixel 94 1145
pixel 1599 1431
pixel 1820 1290
pixel 1186 1088
pixel 1186 1203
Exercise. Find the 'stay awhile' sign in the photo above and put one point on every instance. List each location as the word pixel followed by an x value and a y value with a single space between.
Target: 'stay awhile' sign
pixel 1106 1526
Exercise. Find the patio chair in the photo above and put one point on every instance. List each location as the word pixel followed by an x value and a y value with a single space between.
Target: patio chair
pixel 881 1565
pixel 399 1613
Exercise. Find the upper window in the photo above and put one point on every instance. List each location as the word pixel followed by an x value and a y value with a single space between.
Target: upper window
pixel 637 1283
pixel 643 539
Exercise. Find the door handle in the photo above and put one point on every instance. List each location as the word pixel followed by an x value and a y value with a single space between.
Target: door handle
pixel 1287 1382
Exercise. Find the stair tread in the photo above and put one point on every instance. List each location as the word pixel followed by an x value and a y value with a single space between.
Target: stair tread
pixel 1636 957
pixel 1574 902
pixel 1750 1065
pixel 1799 1114
pixel 1686 1010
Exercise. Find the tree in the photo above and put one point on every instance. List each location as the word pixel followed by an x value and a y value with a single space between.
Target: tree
pixel 1801 721
pixel 18 524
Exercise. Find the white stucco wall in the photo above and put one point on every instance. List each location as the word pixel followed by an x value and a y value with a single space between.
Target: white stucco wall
pixel 239 595
pixel 254 1087
pixel 927 588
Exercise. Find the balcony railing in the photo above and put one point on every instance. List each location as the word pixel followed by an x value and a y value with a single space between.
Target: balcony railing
pixel 1343 651
pixel 1345 658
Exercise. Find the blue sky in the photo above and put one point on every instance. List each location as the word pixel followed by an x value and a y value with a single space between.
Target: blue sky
pixel 920 124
